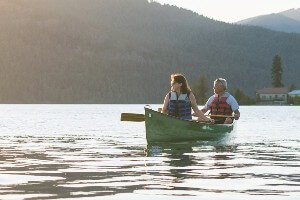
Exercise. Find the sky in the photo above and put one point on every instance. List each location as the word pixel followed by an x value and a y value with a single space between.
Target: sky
pixel 234 10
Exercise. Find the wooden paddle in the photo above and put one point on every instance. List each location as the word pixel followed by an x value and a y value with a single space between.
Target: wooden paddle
pixel 224 116
pixel 132 117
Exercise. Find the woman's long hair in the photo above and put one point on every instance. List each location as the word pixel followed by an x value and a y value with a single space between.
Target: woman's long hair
pixel 179 78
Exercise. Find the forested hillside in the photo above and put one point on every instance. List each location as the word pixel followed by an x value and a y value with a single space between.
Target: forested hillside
pixel 123 51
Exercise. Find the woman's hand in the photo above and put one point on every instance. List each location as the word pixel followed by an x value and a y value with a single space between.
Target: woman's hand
pixel 208 120
pixel 211 121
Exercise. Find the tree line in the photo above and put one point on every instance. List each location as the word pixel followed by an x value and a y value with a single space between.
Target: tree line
pixel 201 88
pixel 123 51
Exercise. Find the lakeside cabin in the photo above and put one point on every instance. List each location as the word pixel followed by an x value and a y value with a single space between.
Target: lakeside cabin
pixel 294 93
pixel 277 96
pixel 294 97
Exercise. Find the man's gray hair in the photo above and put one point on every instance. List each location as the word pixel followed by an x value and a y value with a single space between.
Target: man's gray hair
pixel 222 81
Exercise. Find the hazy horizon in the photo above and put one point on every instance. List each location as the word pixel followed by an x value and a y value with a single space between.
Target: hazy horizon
pixel 234 10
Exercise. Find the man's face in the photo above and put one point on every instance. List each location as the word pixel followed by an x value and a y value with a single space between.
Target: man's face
pixel 218 87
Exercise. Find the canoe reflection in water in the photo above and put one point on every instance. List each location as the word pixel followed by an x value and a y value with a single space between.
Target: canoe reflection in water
pixel 185 159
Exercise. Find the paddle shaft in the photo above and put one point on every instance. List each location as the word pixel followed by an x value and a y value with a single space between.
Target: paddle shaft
pixel 224 116
pixel 133 117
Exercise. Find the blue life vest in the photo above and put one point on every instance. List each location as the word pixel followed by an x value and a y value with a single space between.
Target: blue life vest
pixel 180 106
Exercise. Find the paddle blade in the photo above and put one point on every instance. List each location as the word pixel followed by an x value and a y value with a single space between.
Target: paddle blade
pixel 132 117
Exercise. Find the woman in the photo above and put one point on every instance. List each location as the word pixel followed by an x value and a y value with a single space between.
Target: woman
pixel 179 101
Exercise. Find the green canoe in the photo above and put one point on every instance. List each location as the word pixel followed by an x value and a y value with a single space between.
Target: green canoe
pixel 164 128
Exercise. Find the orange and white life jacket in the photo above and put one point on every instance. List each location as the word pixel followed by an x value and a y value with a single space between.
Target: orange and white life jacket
pixel 219 106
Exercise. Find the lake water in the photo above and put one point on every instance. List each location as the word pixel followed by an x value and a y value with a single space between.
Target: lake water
pixel 84 151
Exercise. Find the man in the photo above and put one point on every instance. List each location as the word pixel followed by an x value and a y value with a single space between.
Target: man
pixel 222 103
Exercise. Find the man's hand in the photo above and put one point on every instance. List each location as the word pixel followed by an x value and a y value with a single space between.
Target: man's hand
pixel 211 121
pixel 236 116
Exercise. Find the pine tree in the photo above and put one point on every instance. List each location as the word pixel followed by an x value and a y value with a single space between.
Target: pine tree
pixel 277 72
pixel 200 90
pixel 243 99
pixel 292 87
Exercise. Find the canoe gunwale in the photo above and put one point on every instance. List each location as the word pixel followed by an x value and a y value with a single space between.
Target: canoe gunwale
pixel 187 120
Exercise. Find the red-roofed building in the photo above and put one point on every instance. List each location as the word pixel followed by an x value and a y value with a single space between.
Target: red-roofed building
pixel 273 95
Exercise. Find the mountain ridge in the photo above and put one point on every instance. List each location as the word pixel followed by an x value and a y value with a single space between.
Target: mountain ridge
pixel 123 51
pixel 293 13
pixel 286 21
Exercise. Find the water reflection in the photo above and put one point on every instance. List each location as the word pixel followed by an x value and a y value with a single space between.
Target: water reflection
pixel 181 148
pixel 216 166
pixel 68 152
pixel 73 166
pixel 181 156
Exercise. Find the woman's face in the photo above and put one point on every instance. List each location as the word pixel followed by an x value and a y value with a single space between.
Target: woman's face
pixel 175 86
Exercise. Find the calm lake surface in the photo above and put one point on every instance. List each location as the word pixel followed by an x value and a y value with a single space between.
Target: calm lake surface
pixel 84 151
